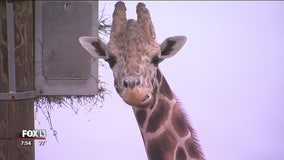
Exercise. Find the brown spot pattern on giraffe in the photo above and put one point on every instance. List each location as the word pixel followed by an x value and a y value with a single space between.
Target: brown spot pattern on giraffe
pixel 180 154
pixel 165 89
pixel 158 75
pixel 179 122
pixel 193 149
pixel 159 116
pixel 162 148
pixel 141 117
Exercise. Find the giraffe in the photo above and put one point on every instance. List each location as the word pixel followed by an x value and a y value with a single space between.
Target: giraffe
pixel 133 55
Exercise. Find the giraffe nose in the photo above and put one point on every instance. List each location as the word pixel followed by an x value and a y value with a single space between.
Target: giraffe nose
pixel 131 81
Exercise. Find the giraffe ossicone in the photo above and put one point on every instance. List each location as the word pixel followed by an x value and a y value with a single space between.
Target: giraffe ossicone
pixel 134 56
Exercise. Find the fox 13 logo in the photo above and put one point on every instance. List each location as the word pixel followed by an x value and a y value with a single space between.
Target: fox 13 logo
pixel 34 134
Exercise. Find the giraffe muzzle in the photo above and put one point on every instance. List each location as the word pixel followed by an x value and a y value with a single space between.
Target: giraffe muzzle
pixel 134 92
pixel 136 96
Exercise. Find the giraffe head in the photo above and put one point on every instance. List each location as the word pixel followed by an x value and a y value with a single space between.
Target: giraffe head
pixel 133 54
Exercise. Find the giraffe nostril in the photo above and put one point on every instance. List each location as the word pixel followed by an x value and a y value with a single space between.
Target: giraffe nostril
pixel 137 82
pixel 131 82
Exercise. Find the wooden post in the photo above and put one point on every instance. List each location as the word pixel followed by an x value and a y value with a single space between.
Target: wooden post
pixel 16 115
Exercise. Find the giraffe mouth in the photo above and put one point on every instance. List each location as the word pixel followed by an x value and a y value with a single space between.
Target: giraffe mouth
pixel 146 99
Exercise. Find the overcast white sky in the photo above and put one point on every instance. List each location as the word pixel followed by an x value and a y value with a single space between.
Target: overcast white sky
pixel 229 77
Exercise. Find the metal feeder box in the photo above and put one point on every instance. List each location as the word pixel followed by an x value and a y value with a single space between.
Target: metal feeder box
pixel 62 66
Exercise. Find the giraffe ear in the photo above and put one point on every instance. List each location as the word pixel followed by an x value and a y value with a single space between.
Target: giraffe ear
pixel 94 46
pixel 171 46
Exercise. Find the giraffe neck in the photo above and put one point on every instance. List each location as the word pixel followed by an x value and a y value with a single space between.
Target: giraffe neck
pixel 166 133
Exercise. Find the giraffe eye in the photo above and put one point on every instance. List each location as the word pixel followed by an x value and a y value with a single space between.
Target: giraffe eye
pixel 156 60
pixel 111 61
